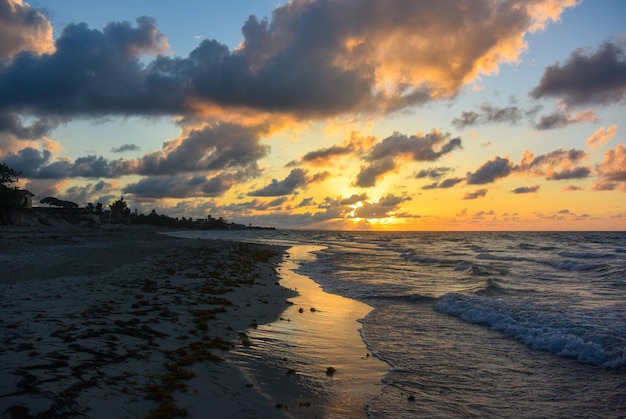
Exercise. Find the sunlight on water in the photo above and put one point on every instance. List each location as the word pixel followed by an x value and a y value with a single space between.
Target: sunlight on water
pixel 317 332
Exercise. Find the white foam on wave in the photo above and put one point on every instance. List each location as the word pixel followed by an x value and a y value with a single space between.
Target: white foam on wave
pixel 537 332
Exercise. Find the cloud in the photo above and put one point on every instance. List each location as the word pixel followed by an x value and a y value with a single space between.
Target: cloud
pixel 214 147
pixel 23 28
pixel 567 174
pixel 429 147
pixel 561 118
pixel 386 206
pixel 94 73
pixel 389 154
pixel 489 114
pixel 353 199
pixel 353 145
pixel 476 194
pixel 182 186
pixel 433 173
pixel 558 164
pixel 587 77
pixel 296 178
pixel 571 188
pixel 489 172
pixel 445 184
pixel 612 170
pixel 305 202
pixel 601 137
pixel 12 124
pixel 125 147
pixel 526 189
pixel 226 153
pixel 313 59
pixel 369 175
pixel 100 191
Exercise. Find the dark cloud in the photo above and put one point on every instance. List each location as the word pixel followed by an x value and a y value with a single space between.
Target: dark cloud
pixel 385 207
pixel 92 192
pixel 319 177
pixel 567 174
pixel 526 189
pixel 182 186
pixel 450 182
pixel 11 123
pixel 93 73
pixel 429 147
pixel 296 178
pixel 326 153
pixel 587 77
pixel 305 202
pixel 491 171
pixel 476 194
pixel 314 58
pixel 369 175
pixel 353 145
pixel 433 173
pixel 561 118
pixel 217 147
pixel 445 184
pixel 390 153
pixel 125 147
pixel 558 157
pixel 430 186
pixel 489 114
pixel 28 161
pixel 354 199
pixel 37 164
pixel 228 152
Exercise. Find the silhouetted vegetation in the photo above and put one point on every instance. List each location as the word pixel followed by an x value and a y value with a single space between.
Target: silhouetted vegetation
pixel 13 200
pixel 10 197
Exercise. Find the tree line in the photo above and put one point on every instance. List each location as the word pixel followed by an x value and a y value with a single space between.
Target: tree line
pixel 12 199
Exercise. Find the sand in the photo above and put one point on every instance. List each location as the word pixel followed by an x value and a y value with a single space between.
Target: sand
pixel 126 323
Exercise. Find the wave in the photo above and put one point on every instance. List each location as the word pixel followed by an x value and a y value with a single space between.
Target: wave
pixel 411 298
pixel 529 246
pixel 572 265
pixel 585 255
pixel 473 269
pixel 538 332
pixel 491 288
pixel 412 256
pixel 488 256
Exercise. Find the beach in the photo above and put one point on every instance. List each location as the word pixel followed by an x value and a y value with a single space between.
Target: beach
pixel 126 322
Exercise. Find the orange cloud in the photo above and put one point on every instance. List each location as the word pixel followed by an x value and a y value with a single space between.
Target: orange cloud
pixel 23 29
pixel 612 170
pixel 601 137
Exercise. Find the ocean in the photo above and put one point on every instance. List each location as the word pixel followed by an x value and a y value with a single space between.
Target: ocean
pixel 469 324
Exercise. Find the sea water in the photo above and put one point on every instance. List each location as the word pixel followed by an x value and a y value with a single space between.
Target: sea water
pixel 482 324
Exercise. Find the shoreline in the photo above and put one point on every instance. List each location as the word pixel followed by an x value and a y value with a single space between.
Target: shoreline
pixel 126 322
pixel 320 364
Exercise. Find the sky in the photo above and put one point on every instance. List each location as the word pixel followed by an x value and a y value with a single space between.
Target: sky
pixel 323 114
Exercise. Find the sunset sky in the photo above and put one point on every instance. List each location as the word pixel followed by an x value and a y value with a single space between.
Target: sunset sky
pixel 328 114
